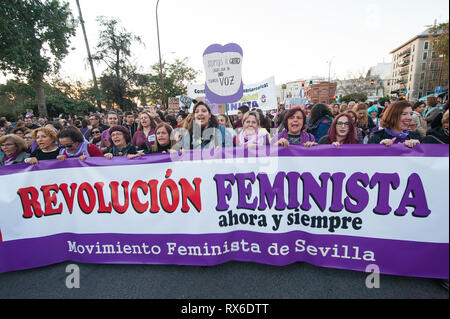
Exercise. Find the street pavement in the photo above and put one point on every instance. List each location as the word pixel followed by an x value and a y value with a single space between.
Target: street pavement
pixel 232 280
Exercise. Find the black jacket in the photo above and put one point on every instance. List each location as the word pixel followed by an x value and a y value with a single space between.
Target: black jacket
pixel 380 135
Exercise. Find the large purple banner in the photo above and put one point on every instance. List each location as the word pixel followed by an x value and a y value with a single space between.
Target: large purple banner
pixel 347 207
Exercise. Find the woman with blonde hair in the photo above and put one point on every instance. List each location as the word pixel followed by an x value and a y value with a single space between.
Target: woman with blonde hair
pixel 14 150
pixel 251 133
pixel 47 147
pixel 362 118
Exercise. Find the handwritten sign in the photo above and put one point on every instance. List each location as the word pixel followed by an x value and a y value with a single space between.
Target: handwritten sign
pixel 223 66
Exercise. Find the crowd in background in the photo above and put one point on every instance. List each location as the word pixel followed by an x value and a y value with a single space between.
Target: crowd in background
pixel 30 139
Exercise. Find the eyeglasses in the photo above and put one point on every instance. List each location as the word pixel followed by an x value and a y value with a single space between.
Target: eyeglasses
pixel 66 146
pixel 27 138
pixel 342 123
pixel 5 145
pixel 95 132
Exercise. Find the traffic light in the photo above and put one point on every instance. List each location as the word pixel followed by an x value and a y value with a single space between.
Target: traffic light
pixel 303 83
pixel 310 83
pixel 372 82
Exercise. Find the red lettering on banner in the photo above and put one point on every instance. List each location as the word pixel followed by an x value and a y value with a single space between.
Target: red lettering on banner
pixel 102 208
pixel 189 193
pixel 29 198
pixel 50 199
pixel 85 207
pixel 115 196
pixel 167 195
pixel 68 197
pixel 138 206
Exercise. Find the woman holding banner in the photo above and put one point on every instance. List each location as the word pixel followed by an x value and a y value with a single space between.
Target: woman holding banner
pixel 342 131
pixel 14 150
pixel 73 144
pixel 295 130
pixel 120 141
pixel 252 134
pixel 47 147
pixel 203 131
pixel 395 123
pixel 163 143
pixel 144 138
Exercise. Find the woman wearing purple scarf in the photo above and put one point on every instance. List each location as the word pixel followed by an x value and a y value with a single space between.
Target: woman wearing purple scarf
pixel 395 123
pixel 14 150
pixel 295 130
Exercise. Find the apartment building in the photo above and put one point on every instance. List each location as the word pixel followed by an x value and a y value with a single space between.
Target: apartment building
pixel 416 69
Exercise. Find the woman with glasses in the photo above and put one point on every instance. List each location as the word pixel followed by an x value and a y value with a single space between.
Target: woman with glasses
pixel 120 140
pixel 294 132
pixel 73 144
pixel 342 131
pixel 14 150
pixel 395 122
pixel 47 147
pixel 29 140
pixel 96 136
pixel 251 134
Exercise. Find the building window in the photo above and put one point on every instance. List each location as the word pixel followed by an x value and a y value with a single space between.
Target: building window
pixel 424 66
pixel 425 47
pixel 433 55
pixel 425 55
pixel 412 58
pixel 414 47
pixel 422 76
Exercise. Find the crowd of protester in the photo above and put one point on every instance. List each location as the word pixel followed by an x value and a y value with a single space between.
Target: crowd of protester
pixel 149 130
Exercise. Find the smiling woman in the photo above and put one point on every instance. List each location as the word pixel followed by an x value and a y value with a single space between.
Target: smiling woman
pixel 295 130
pixel 395 123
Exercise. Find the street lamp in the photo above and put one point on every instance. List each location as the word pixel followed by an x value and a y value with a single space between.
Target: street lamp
pixel 329 79
pixel 160 64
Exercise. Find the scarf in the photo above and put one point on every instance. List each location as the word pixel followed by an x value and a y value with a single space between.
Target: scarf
pixel 82 149
pixel 259 138
pixel 9 160
pixel 403 135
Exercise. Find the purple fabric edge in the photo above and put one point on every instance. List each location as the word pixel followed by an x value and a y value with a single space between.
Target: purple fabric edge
pixel 234 47
pixel 397 253
pixel 423 150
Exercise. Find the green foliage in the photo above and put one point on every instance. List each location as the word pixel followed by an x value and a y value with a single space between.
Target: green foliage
pixel 118 82
pixel 34 38
pixel 357 97
pixel 440 40
pixel 16 97
pixel 176 77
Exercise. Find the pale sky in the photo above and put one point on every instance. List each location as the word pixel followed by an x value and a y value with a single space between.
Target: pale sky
pixel 288 39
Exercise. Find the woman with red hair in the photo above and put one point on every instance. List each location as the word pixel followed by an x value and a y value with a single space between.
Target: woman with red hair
pixel 342 131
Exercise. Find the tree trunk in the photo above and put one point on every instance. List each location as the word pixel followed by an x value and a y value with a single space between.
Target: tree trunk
pixel 40 95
